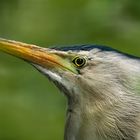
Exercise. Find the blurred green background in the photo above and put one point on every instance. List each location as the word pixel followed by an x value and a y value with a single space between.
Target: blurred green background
pixel 31 108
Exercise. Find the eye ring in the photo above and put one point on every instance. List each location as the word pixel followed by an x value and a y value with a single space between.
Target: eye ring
pixel 79 61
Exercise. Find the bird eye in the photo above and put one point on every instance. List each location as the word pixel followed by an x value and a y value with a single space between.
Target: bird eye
pixel 79 61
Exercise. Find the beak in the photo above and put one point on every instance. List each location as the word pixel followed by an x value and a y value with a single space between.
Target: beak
pixel 34 54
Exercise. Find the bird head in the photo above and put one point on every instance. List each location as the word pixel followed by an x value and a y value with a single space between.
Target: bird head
pixel 83 72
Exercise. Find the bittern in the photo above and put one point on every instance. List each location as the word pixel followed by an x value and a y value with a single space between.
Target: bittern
pixel 102 86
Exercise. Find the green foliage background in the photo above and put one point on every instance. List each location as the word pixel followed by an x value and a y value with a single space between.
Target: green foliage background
pixel 31 108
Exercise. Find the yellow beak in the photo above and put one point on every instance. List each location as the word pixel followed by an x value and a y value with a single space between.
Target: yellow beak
pixel 34 54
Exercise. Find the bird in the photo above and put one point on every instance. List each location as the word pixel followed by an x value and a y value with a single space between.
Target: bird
pixel 101 85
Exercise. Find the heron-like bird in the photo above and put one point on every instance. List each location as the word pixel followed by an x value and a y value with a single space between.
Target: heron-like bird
pixel 102 86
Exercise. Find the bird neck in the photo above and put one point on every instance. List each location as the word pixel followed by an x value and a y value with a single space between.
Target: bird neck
pixel 99 113
pixel 103 119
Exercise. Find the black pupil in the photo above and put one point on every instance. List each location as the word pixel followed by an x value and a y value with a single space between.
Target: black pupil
pixel 80 61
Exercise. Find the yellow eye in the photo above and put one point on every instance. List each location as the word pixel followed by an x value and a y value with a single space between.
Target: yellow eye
pixel 79 61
